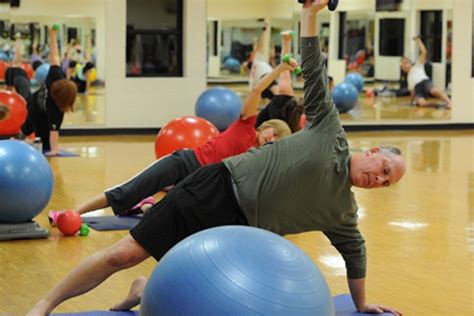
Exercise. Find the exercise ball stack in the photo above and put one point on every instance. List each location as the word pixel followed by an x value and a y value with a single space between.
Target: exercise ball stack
pixel 185 132
pixel 355 79
pixel 345 97
pixel 18 113
pixel 236 270
pixel 220 106
pixel 26 182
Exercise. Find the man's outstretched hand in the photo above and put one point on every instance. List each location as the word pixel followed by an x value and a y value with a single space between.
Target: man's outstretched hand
pixel 378 309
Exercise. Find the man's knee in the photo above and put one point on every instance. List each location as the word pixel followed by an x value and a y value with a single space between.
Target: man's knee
pixel 125 253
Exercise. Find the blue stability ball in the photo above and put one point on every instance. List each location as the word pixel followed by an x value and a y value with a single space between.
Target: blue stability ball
pixel 232 64
pixel 220 106
pixel 345 96
pixel 236 270
pixel 26 182
pixel 356 79
pixel 41 73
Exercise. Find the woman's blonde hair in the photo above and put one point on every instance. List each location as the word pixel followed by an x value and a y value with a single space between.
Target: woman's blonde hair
pixel 280 127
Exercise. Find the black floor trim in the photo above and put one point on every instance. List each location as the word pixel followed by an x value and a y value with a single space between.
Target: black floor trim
pixel 349 128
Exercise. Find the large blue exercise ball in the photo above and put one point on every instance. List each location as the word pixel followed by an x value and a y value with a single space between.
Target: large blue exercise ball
pixel 26 182
pixel 345 96
pixel 356 79
pixel 232 64
pixel 41 73
pixel 220 106
pixel 236 270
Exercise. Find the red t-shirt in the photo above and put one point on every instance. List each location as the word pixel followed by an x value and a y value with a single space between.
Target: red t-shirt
pixel 235 140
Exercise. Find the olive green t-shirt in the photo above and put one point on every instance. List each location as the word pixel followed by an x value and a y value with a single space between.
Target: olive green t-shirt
pixel 302 182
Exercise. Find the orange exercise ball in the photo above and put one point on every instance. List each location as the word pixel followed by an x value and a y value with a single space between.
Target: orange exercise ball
pixel 18 112
pixel 28 69
pixel 185 132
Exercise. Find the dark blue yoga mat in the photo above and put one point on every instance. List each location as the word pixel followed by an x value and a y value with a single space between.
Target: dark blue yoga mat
pixel 101 313
pixel 345 306
pixel 343 303
pixel 112 222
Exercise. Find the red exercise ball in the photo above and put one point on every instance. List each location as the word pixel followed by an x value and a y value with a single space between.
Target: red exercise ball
pixel 69 223
pixel 18 112
pixel 184 133
pixel 28 69
pixel 3 68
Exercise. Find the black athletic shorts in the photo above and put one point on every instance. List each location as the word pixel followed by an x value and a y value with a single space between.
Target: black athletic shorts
pixel 202 200
pixel 422 90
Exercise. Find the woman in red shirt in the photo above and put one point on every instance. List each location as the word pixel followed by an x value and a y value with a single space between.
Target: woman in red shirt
pixel 169 170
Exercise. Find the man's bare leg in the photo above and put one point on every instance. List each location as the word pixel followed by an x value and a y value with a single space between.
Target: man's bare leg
pixel 134 295
pixel 91 272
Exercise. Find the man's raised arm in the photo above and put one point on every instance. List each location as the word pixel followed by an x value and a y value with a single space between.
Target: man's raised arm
pixel 317 96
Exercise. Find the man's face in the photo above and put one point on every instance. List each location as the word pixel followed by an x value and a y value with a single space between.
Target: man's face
pixel 375 169
pixel 266 135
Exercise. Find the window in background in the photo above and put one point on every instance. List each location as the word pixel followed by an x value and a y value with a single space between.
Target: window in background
pixel 154 45
pixel 391 38
pixel 431 31
pixel 342 35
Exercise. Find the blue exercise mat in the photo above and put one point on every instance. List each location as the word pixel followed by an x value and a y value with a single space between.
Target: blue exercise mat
pixel 101 313
pixel 345 306
pixel 112 222
pixel 343 303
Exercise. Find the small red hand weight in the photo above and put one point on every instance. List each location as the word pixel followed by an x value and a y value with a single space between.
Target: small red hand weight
pixel 69 223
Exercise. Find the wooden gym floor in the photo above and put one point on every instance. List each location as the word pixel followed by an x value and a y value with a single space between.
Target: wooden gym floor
pixel 419 233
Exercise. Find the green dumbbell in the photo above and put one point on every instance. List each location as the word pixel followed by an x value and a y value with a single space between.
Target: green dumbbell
pixel 286 59
pixel 56 26
pixel 84 230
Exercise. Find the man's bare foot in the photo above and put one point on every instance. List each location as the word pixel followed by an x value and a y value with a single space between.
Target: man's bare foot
pixel 134 295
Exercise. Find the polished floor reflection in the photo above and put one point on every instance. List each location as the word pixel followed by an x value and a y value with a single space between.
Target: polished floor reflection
pixel 419 233
pixel 89 110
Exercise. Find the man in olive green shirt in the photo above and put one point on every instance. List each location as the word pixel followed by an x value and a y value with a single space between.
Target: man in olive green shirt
pixel 300 183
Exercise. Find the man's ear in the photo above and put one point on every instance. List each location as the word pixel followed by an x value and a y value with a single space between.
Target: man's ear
pixel 373 151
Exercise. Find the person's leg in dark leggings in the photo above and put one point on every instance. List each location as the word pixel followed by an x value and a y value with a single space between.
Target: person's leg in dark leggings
pixel 164 172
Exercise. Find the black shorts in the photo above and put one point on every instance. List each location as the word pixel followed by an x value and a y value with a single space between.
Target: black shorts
pixel 202 200
pixel 422 90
